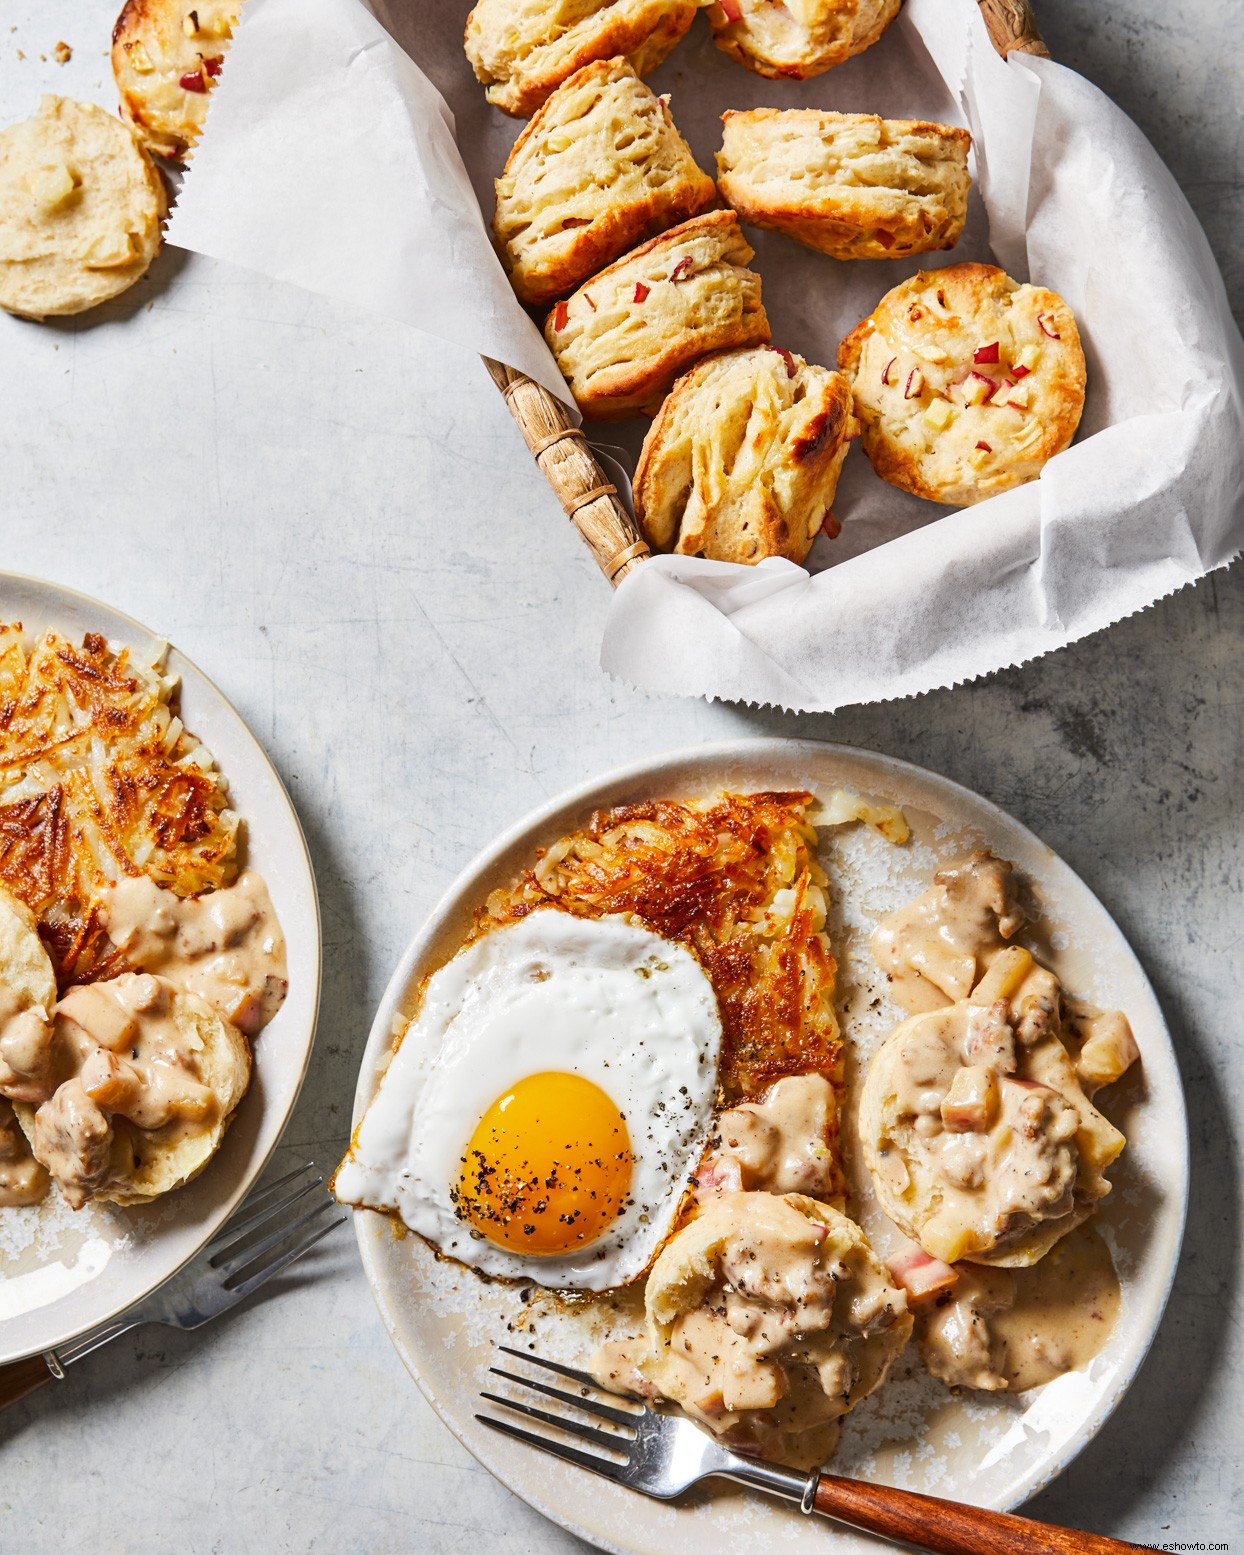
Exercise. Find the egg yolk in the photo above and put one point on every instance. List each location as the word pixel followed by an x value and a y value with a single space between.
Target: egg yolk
pixel 548 1168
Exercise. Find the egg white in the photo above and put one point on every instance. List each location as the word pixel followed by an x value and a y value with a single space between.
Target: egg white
pixel 602 998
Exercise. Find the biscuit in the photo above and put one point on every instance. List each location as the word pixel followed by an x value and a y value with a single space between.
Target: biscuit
pixel 599 168
pixel 965 382
pixel 81 204
pixel 623 338
pixel 798 40
pixel 976 1131
pixel 743 458
pixel 84 1133
pixel 849 184
pixel 524 49
pixel 166 55
pixel 792 1269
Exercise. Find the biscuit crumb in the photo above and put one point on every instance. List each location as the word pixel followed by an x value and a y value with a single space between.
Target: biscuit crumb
pixel 63 53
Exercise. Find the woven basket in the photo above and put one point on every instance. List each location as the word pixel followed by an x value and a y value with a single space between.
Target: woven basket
pixel 587 495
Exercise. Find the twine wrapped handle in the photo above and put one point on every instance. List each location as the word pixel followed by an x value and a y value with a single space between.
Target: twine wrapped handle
pixel 588 498
pixel 587 495
pixel 1013 28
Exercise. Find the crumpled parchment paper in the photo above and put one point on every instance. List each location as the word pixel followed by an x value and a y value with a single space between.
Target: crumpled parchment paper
pixel 357 161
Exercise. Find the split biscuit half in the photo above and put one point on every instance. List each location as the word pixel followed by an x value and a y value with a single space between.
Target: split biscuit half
pixel 81 203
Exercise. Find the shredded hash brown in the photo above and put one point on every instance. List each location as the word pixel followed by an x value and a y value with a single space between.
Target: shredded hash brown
pixel 99 779
pixel 734 878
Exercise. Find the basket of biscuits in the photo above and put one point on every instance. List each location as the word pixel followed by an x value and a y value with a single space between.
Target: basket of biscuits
pixel 868 349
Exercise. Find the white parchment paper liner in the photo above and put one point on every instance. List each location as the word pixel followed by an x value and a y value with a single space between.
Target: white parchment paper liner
pixel 330 161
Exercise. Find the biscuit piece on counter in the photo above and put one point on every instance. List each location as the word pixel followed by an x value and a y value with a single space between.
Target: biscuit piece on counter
pixel 81 204
pixel 522 50
pixel 965 382
pixel 166 55
pixel 801 39
pixel 849 184
pixel 600 167
pixel 743 458
pixel 625 335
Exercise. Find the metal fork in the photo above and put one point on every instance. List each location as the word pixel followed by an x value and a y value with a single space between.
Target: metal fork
pixel 275 1226
pixel 663 1455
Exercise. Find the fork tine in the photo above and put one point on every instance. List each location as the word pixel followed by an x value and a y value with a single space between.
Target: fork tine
pixel 589 1433
pixel 227 1263
pixel 617 1416
pixel 234 1230
pixel 586 1460
pixel 284 1261
pixel 562 1371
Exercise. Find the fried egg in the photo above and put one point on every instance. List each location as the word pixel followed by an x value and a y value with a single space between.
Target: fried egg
pixel 546 1110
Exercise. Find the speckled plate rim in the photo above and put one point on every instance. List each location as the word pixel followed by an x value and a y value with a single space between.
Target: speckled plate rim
pixel 524 1470
pixel 274 836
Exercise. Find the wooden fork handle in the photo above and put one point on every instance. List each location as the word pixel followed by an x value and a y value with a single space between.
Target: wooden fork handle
pixel 22 1377
pixel 950 1527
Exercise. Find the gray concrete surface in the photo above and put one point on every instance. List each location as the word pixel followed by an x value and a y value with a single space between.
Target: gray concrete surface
pixel 411 629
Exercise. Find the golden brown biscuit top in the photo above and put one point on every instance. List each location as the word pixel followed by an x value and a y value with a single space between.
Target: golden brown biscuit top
pixel 166 58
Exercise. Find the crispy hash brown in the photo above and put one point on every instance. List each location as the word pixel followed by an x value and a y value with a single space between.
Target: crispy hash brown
pixel 735 878
pixel 99 779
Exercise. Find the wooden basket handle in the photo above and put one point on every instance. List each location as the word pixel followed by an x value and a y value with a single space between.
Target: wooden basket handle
pixel 587 495
pixel 1013 28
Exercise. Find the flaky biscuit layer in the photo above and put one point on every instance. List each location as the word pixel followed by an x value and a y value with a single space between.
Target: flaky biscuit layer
pixel 624 336
pixel 524 49
pixel 600 167
pixel 743 458
pixel 849 184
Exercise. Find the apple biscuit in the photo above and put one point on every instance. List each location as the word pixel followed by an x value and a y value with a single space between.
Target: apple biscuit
pixel 599 168
pixel 81 204
pixel 800 39
pixel 975 1126
pixel 522 50
pixel 166 55
pixel 625 335
pixel 743 458
pixel 849 184
pixel 965 382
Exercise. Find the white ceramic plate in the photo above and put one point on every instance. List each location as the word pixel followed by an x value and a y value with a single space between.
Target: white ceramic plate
pixel 61 1273
pixel 994 1452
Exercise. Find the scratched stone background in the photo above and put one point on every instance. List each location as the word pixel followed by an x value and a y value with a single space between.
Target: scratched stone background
pixel 337 521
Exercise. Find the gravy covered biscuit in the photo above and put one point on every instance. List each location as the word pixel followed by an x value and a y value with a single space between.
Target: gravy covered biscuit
pixel 848 184
pixel 524 49
pixel 625 335
pixel 166 56
pixel 965 382
pixel 600 167
pixel 144 1081
pixel 81 204
pixel 798 40
pixel 743 458
pixel 974 1117
pixel 767 1319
